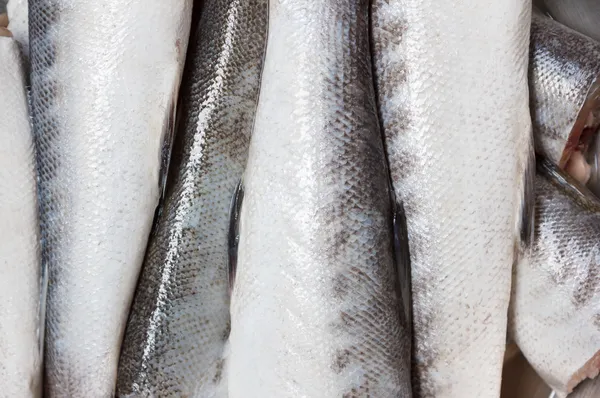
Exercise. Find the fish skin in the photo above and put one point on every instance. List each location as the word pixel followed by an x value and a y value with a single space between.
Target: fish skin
pixel 555 299
pixel 442 71
pixel 179 323
pixel 563 74
pixel 104 82
pixel 315 309
pixel 20 262
pixel 580 15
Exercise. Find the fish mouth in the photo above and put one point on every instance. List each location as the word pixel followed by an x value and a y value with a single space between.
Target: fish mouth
pixel 581 155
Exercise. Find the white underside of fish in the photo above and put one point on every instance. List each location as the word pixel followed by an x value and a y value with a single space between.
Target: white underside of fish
pixel 20 350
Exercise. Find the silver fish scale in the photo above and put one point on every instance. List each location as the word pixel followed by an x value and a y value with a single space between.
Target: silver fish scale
pixel 563 65
pixel 179 321
pixel 315 309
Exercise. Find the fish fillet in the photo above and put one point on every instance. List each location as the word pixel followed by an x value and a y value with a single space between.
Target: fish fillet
pixel 104 82
pixel 315 308
pixel 20 287
pixel 179 322
pixel 452 90
pixel 555 308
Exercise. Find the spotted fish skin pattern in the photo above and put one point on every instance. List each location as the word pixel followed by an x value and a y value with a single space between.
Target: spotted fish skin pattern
pixel 179 323
pixel 556 294
pixel 564 68
pixel 315 306
pixel 20 282
pixel 104 82
pixel 440 71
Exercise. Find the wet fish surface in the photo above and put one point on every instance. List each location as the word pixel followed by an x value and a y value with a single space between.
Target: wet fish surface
pixel 564 76
pixel 555 309
pixel 176 334
pixel 105 77
pixel 315 308
pixel 20 284
pixel 437 82
pixel 580 15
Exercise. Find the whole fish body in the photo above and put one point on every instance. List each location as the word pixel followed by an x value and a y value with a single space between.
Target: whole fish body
pixel 443 73
pixel 179 323
pixel 555 308
pixel 20 283
pixel 105 76
pixel 564 76
pixel 580 15
pixel 315 308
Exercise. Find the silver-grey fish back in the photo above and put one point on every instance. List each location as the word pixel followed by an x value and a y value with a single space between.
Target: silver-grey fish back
pixel 179 321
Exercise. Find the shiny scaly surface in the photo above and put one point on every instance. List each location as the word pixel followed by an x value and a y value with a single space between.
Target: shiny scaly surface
pixel 555 309
pixel 20 287
pixel 315 308
pixel 451 79
pixel 564 68
pixel 105 76
pixel 179 321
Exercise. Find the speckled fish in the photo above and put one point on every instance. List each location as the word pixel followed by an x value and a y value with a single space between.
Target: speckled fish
pixel 564 76
pixel 580 15
pixel 453 99
pixel 555 310
pixel 179 323
pixel 20 283
pixel 315 308
pixel 105 78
